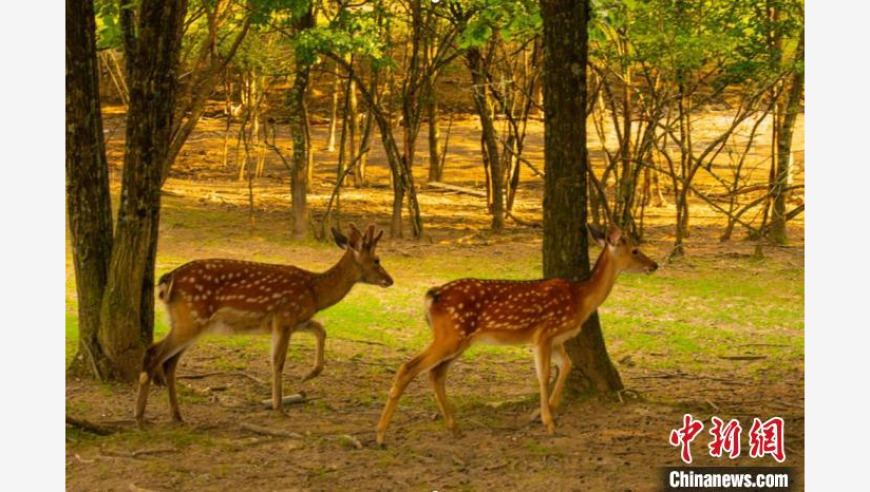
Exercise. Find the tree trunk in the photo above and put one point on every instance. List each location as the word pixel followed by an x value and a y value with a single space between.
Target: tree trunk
pixel 360 169
pixel 126 315
pixel 435 171
pixel 229 112
pixel 298 124
pixel 480 82
pixel 298 177
pixel 784 158
pixel 333 113
pixel 354 134
pixel 89 205
pixel 565 248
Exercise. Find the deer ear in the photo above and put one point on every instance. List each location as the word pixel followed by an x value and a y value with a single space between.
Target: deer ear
pixel 614 234
pixel 340 239
pixel 596 234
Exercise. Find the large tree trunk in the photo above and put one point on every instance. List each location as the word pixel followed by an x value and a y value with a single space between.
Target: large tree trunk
pixel 126 316
pixel 89 206
pixel 784 157
pixel 565 247
pixel 298 123
pixel 480 83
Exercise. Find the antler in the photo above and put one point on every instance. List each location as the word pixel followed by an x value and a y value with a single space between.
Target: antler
pixel 377 238
pixel 369 239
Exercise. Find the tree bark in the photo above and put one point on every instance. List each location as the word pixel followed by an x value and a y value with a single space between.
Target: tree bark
pixel 126 314
pixel 480 83
pixel 435 171
pixel 89 205
pixel 784 158
pixel 431 102
pixel 298 124
pixel 333 113
pixel 565 248
pixel 353 133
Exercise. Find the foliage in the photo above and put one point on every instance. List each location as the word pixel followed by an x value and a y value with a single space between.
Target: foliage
pixel 693 42
pixel 514 20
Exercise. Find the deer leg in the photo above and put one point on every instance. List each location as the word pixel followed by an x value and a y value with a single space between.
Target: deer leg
pixel 563 362
pixel 543 351
pixel 424 361
pixel 319 333
pixel 438 376
pixel 155 356
pixel 280 340
pixel 149 365
pixel 169 367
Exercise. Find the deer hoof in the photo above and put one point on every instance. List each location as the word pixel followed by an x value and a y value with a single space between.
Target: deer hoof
pixel 312 374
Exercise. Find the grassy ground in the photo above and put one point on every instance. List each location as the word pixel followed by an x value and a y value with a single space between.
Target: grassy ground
pixel 674 336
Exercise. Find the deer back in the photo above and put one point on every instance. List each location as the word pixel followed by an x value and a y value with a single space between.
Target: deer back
pixel 237 296
pixel 504 311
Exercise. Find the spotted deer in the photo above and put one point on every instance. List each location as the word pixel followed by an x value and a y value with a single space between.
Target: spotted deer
pixel 542 313
pixel 235 297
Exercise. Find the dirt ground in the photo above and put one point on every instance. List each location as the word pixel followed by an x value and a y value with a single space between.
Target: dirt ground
pixel 600 444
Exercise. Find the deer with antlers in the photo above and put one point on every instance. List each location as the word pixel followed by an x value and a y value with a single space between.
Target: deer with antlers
pixel 234 297
pixel 543 313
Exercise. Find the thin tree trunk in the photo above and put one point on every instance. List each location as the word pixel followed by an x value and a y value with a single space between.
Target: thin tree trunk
pixel 360 169
pixel 89 205
pixel 784 157
pixel 113 70
pixel 333 114
pixel 229 112
pixel 431 102
pixel 299 133
pixel 478 68
pixel 565 248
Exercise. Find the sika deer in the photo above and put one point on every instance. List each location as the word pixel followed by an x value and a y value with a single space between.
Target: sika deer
pixel 543 313
pixel 232 297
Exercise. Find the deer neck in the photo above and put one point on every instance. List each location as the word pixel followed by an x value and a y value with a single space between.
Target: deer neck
pixel 332 285
pixel 597 287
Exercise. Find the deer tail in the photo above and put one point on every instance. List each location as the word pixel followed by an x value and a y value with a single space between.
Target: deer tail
pixel 164 286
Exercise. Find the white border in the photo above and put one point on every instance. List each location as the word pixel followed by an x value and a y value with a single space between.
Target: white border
pixel 32 203
pixel 33 246
pixel 837 231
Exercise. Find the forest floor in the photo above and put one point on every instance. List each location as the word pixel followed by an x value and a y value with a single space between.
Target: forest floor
pixel 715 333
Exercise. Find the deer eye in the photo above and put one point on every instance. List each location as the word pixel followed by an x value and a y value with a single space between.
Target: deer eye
pixel 377 261
pixel 635 251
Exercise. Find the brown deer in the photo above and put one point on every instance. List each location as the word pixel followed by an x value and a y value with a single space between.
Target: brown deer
pixel 543 313
pixel 234 297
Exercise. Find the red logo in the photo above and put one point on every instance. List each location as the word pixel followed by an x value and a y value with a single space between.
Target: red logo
pixel 683 436
pixel 767 438
pixel 725 438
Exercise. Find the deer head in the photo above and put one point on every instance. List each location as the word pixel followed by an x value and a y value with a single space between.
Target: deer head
pixel 623 250
pixel 361 248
